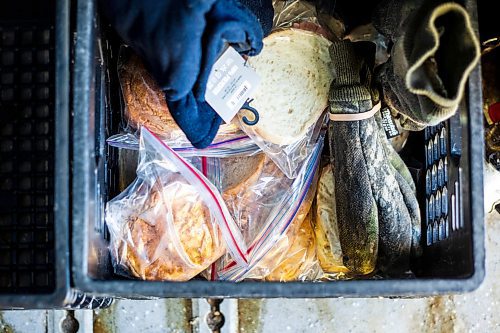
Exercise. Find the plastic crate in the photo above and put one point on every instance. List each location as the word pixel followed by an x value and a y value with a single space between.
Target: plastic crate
pixel 34 157
pixel 453 259
pixel 34 153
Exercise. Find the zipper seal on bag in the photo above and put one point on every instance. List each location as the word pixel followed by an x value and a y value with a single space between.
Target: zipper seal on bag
pixel 232 235
pixel 204 166
pixel 215 145
pixel 262 243
pixel 130 141
pixel 244 145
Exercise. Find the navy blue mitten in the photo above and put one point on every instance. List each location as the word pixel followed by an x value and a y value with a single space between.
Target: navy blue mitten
pixel 179 42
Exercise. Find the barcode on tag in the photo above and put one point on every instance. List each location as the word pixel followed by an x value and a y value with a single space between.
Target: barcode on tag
pixel 233 101
pixel 230 84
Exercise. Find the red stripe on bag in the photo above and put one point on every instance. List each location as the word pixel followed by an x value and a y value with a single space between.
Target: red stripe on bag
pixel 207 188
pixel 204 168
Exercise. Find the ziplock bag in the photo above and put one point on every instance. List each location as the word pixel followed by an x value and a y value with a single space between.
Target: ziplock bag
pixel 293 255
pixel 289 104
pixel 326 230
pixel 145 105
pixel 171 222
pixel 238 146
pixel 297 13
pixel 264 210
pixel 290 158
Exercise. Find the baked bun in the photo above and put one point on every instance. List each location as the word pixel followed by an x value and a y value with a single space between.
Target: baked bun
pixel 296 74
pixel 144 100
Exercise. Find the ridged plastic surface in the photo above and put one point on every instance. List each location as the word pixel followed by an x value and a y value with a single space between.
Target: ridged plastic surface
pixel 27 158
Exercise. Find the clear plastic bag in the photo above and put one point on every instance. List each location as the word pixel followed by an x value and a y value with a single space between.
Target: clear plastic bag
pixel 300 13
pixel 292 257
pixel 171 222
pixel 290 158
pixel 145 105
pixel 264 209
pixel 325 227
pixel 241 145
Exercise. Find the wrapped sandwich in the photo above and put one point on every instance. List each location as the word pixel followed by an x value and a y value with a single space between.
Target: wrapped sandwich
pixel 270 210
pixel 170 223
pixel 292 97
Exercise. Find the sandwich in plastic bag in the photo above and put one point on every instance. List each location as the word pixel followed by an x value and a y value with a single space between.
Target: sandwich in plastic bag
pixel 171 222
pixel 292 257
pixel 326 230
pixel 271 211
pixel 292 97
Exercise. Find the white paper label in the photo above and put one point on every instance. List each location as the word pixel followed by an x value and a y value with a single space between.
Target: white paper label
pixel 388 123
pixel 230 84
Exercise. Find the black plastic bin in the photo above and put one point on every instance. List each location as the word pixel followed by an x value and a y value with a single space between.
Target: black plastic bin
pixel 34 153
pixel 35 164
pixel 453 258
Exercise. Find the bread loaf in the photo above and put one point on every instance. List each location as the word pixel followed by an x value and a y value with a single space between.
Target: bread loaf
pixel 296 74
pixel 145 104
pixel 144 100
